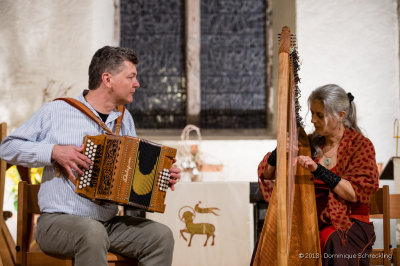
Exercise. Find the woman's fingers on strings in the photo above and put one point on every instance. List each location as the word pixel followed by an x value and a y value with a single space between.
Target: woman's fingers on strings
pixel 295 161
pixel 302 160
pixel 291 146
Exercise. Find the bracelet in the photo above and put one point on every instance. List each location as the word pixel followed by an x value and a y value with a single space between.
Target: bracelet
pixel 272 158
pixel 327 176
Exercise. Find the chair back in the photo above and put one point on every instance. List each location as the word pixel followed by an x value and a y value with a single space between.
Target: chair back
pixel 7 243
pixel 27 206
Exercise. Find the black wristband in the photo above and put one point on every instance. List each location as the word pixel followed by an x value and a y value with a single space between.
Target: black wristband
pixel 272 158
pixel 329 177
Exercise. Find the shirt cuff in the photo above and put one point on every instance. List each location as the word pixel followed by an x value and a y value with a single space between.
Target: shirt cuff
pixel 44 155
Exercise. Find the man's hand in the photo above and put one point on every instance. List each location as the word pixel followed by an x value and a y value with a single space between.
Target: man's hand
pixel 307 163
pixel 175 174
pixel 71 158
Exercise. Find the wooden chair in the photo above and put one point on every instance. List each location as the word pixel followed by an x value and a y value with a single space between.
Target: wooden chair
pixel 7 244
pixel 385 206
pixel 27 207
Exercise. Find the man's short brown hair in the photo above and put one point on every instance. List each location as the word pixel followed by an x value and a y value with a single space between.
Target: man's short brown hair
pixel 109 59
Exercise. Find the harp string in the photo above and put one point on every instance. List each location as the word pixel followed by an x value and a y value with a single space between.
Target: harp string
pixel 294 121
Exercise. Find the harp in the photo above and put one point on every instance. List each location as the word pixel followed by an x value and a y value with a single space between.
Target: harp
pixel 290 234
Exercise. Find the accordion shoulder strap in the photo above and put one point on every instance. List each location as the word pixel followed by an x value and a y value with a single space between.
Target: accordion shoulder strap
pixel 84 109
pixel 118 123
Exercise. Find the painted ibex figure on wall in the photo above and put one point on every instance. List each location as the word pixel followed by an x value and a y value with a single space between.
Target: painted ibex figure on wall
pixel 205 210
pixel 200 228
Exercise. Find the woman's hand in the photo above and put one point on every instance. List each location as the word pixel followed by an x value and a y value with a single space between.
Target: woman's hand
pixel 294 147
pixel 307 163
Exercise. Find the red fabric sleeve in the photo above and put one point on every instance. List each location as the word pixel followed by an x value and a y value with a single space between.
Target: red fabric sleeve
pixel 266 186
pixel 358 165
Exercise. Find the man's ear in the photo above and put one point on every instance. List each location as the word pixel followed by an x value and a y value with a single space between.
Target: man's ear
pixel 106 79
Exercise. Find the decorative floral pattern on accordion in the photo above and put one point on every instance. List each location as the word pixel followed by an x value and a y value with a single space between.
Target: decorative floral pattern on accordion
pixel 127 171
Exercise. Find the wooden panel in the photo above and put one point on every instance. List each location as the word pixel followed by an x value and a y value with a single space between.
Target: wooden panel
pixel 396 256
pixel 3 167
pixel 376 257
pixel 39 259
pixel 118 260
pixel 32 203
pixel 376 204
pixel 394 206
pixel 5 254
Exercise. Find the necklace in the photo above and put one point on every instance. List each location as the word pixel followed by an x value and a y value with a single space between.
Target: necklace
pixel 328 156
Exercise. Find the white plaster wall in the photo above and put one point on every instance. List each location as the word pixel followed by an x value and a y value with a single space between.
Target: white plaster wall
pixel 47 44
pixel 102 27
pixel 240 158
pixel 355 45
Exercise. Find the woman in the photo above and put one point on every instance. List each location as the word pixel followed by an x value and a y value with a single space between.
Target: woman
pixel 345 177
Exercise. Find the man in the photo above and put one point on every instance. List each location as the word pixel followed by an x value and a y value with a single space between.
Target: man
pixel 72 225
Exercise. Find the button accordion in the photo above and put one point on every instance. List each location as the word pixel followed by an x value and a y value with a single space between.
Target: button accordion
pixel 127 171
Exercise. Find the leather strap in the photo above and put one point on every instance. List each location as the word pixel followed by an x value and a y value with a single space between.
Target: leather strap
pixel 118 123
pixel 84 109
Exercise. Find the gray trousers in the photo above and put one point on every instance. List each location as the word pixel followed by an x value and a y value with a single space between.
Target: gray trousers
pixel 88 240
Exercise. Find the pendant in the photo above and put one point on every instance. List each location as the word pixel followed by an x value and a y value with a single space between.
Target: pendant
pixel 327 161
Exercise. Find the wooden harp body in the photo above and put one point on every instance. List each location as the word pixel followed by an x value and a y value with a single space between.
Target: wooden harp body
pixel 290 234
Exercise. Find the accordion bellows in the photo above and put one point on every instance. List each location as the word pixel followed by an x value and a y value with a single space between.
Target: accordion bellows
pixel 127 171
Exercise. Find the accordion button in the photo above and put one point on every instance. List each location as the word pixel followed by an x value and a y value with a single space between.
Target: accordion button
pixel 80 186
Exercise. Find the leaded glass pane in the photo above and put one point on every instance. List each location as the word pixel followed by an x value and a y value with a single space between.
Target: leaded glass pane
pixel 155 30
pixel 233 64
